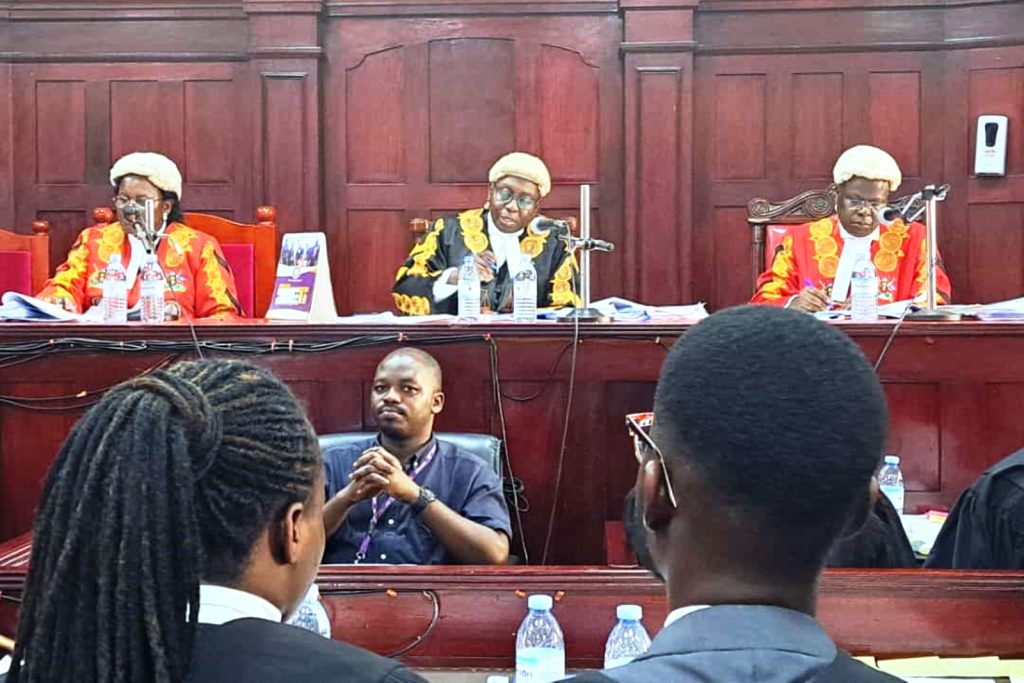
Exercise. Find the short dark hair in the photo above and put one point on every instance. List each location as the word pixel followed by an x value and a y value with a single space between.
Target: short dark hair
pixel 168 480
pixel 420 356
pixel 781 415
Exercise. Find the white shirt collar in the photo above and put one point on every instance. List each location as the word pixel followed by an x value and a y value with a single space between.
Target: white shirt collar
pixel 505 245
pixel 220 604
pixel 853 247
pixel 680 612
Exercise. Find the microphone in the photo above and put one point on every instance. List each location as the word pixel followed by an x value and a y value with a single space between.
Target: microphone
pixel 887 215
pixel 563 232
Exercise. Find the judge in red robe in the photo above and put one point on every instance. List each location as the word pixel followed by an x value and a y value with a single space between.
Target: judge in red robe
pixel 199 282
pixel 813 266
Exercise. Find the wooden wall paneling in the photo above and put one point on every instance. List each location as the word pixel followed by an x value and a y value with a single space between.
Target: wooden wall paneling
pixel 71 121
pixel 7 218
pixel 284 52
pixel 995 206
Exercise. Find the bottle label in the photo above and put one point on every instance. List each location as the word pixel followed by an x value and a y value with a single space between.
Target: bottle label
pixel 540 665
pixel 895 494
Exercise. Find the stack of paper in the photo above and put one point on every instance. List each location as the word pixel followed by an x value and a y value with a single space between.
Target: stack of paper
pixel 921 669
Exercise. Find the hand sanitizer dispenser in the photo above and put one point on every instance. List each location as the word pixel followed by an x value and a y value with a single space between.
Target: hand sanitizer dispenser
pixel 990 145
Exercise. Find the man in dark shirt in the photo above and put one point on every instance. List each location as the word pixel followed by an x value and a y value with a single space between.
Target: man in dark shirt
pixel 405 497
pixel 986 528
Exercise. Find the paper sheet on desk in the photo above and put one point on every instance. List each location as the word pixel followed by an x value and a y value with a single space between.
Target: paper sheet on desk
pixel 16 306
pixel 975 668
pixel 624 310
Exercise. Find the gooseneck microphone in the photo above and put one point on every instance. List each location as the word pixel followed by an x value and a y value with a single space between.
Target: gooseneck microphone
pixel 563 232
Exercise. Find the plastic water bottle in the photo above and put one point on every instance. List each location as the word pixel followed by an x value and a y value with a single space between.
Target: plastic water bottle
pixel 151 290
pixel 469 291
pixel 864 290
pixel 115 292
pixel 524 293
pixel 628 639
pixel 540 645
pixel 311 614
pixel 890 481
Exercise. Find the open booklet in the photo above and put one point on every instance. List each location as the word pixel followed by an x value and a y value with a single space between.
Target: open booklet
pixel 15 306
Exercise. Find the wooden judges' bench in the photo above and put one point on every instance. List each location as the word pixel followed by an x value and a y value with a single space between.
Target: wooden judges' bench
pixel 954 391
pixel 461 617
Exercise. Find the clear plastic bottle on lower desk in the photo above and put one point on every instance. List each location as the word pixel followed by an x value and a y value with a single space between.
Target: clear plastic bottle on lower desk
pixel 864 290
pixel 151 290
pixel 524 293
pixel 469 290
pixel 628 639
pixel 311 614
pixel 890 481
pixel 540 645
pixel 115 292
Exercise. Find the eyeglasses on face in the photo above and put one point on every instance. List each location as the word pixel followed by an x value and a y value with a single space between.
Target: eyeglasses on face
pixel 638 425
pixel 524 201
pixel 120 201
pixel 864 203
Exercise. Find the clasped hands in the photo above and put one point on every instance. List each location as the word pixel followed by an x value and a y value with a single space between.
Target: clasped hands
pixel 375 472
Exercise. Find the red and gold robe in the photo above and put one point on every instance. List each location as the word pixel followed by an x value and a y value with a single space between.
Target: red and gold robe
pixel 199 280
pixel 810 252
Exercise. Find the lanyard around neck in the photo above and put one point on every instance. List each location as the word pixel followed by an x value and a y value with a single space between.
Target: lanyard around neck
pixel 380 508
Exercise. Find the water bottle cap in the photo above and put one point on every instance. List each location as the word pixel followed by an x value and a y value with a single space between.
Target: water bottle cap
pixel 115 258
pixel 539 602
pixel 468 258
pixel 892 460
pixel 629 612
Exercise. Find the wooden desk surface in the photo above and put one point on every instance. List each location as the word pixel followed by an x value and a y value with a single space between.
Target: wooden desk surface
pixel 953 392
pixel 478 609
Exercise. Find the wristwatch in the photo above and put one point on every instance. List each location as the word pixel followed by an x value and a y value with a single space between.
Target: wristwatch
pixel 426 498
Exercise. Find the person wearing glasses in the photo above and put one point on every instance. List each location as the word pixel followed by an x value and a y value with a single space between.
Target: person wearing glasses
pixel 498 237
pixel 198 280
pixel 814 264
pixel 738 500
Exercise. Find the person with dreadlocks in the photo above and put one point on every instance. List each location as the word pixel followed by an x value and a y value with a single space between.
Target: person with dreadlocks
pixel 181 522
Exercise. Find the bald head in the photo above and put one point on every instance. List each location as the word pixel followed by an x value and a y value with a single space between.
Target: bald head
pixel 426 363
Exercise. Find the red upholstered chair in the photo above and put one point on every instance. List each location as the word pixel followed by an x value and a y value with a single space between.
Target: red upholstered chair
pixel 250 249
pixel 25 259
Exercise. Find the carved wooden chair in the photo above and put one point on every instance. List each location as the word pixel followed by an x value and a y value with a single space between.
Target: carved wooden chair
pixel 250 250
pixel 25 259
pixel 768 220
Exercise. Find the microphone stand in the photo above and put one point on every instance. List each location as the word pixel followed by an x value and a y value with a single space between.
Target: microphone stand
pixel 583 244
pixel 932 195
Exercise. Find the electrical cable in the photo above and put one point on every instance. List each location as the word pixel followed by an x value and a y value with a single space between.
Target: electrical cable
pixel 892 335
pixel 565 430
pixel 435 616
pixel 516 485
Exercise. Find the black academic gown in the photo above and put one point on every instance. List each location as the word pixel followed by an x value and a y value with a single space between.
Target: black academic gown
pixel 271 652
pixel 985 530
pixel 451 238
pixel 881 543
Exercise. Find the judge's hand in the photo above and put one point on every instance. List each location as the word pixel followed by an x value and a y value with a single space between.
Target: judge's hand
pixel 486 264
pixel 59 301
pixel 810 299
pixel 384 473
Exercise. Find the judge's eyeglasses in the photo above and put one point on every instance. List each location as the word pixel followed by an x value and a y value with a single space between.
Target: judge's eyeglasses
pixel 524 201
pixel 639 425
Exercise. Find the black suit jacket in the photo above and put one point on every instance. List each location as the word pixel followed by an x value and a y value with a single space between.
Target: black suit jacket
pixel 269 652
